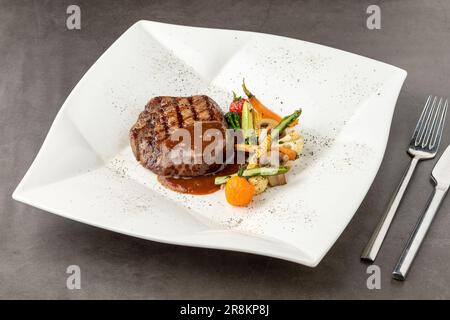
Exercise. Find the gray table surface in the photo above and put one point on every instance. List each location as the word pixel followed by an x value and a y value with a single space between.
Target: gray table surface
pixel 41 61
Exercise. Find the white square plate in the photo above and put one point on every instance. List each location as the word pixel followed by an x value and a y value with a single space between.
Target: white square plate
pixel 85 169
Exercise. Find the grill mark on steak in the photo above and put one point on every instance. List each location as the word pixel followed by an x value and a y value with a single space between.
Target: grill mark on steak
pixel 200 108
pixel 186 114
pixel 150 135
pixel 163 118
pixel 179 115
pixel 208 107
pixel 172 115
pixel 160 126
pixel 191 106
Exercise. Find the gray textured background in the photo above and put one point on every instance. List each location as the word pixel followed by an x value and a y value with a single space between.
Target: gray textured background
pixel 41 61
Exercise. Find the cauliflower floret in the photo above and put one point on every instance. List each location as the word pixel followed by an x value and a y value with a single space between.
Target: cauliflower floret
pixel 291 134
pixel 260 183
pixel 296 145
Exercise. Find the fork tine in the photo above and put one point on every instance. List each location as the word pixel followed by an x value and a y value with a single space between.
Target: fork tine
pixel 437 134
pixel 421 119
pixel 432 125
pixel 424 122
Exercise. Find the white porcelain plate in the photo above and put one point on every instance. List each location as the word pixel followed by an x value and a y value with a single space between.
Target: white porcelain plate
pixel 85 169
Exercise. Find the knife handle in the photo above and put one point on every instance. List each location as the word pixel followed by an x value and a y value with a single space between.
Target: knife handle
pixel 376 240
pixel 418 234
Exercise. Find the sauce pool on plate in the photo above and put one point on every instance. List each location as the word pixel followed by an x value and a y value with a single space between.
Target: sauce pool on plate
pixel 197 185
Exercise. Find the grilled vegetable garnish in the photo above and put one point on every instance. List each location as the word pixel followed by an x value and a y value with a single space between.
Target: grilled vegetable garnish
pixel 284 123
pixel 221 180
pixel 260 183
pixel 277 180
pixel 233 120
pixel 262 131
pixel 247 121
pixel 296 145
pixel 246 147
pixel 292 141
pixel 236 105
pixel 264 146
pixel 292 155
pixel 291 135
pixel 268 123
pixel 239 192
pixel 266 112
pixel 264 171
pixel 257 117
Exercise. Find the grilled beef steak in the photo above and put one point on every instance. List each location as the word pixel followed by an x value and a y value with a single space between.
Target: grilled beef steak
pixel 151 136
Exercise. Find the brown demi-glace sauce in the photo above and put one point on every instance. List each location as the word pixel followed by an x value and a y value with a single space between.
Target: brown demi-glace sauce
pixel 197 185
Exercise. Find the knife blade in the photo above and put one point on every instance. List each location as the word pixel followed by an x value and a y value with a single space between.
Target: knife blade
pixel 441 177
pixel 441 171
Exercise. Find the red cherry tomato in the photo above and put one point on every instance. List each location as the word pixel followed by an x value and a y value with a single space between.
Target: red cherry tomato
pixel 236 105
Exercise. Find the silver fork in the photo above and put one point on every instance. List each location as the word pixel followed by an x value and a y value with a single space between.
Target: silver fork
pixel 423 146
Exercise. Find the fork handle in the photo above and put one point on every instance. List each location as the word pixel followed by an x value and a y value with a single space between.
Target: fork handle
pixel 417 236
pixel 373 246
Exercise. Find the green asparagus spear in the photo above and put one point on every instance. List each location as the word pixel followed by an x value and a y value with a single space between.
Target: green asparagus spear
pixel 284 123
pixel 221 180
pixel 264 171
